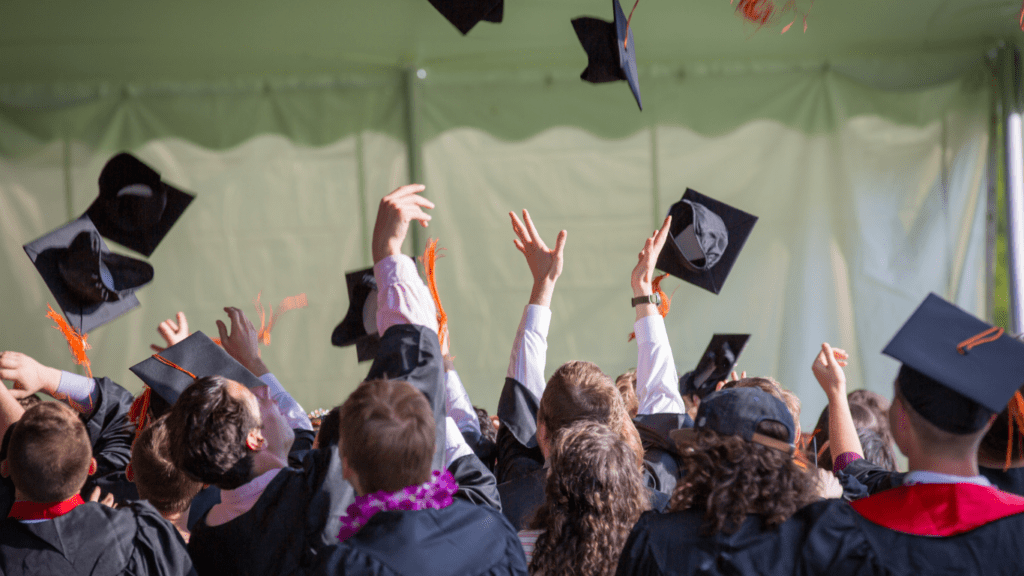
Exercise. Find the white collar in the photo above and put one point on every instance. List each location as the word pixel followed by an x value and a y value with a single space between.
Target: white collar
pixel 927 477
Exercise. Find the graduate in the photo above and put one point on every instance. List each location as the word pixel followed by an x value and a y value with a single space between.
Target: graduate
pixel 159 481
pixel 406 519
pixel 957 374
pixel 50 530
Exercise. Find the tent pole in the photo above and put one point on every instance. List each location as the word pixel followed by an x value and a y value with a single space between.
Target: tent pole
pixel 412 142
pixel 1010 75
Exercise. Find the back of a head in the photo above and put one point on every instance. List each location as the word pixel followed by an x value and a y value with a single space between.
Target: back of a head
pixel 49 453
pixel 593 496
pixel 158 480
pixel 577 391
pixel 945 423
pixel 207 428
pixel 772 387
pixel 328 435
pixel 387 435
pixel 626 384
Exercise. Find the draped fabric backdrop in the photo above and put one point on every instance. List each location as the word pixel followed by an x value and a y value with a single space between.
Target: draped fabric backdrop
pixel 870 196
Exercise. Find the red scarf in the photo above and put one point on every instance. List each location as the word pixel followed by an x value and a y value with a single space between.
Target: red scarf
pixel 24 510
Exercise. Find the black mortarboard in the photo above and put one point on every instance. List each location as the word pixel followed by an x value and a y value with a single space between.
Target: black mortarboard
pixel 197 355
pixel 359 326
pixel 957 370
pixel 704 241
pixel 464 14
pixel 610 50
pixel 715 365
pixel 92 285
pixel 134 208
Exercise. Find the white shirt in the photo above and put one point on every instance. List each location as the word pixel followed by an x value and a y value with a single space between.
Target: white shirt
pixel 657 383
pixel 530 349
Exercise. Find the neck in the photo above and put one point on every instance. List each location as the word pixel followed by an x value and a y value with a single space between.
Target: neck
pixel 967 466
pixel 180 521
pixel 265 461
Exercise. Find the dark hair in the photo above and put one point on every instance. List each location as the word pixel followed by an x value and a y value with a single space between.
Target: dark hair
pixel 49 453
pixel 487 429
pixel 593 496
pixel 877 450
pixel 387 435
pixel 207 428
pixel 626 383
pixel 159 481
pixel 999 443
pixel 29 401
pixel 729 478
pixel 329 434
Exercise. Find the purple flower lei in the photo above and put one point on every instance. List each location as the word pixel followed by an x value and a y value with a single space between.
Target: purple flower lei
pixel 434 494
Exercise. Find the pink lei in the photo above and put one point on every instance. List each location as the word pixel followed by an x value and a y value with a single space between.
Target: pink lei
pixel 434 494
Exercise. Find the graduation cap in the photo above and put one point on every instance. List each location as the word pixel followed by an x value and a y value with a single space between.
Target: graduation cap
pixel 359 327
pixel 134 208
pixel 610 50
pixel 464 14
pixel 715 365
pixel 738 412
pixel 957 370
pixel 91 284
pixel 704 241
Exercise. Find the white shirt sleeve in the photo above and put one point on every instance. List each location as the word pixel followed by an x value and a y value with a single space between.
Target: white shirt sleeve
pixel 458 405
pixel 289 408
pixel 77 391
pixel 402 297
pixel 530 348
pixel 657 384
pixel 455 445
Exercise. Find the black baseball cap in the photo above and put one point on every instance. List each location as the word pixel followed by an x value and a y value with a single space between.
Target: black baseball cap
pixel 717 362
pixel 135 208
pixel 738 412
pixel 705 239
pixel 465 14
pixel 957 370
pixel 611 53
pixel 90 284
pixel 359 327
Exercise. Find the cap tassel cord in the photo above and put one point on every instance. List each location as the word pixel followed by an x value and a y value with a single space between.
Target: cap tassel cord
pixel 430 257
pixel 77 342
pixel 630 19
pixel 666 302
pixel 990 335
pixel 1016 410
pixel 138 414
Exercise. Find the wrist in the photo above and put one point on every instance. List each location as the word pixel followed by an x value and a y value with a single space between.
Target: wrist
pixel 837 394
pixel 257 367
pixel 542 291
pixel 642 290
pixel 50 379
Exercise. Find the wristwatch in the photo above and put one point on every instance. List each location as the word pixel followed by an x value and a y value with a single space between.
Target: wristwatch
pixel 649 299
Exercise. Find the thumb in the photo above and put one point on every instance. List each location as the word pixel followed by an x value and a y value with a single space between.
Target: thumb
pixel 157 349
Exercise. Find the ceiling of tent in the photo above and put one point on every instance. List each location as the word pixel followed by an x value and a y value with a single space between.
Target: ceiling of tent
pixel 120 40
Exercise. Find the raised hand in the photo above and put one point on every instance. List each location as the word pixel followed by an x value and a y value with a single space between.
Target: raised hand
pixel 28 375
pixel 242 343
pixel 172 332
pixel 545 264
pixel 394 214
pixel 828 370
pixel 643 273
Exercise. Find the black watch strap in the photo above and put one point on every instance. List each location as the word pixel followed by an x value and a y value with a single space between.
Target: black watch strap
pixel 649 299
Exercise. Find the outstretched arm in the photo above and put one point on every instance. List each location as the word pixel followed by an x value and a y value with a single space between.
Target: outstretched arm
pixel 842 433
pixel 657 383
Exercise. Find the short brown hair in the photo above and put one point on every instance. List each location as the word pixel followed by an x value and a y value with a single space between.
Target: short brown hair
pixel 626 383
pixel 387 435
pixel 49 453
pixel 159 481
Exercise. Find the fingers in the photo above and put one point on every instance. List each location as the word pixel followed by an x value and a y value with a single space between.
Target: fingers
pixel 519 246
pixel 407 190
pixel 182 322
pixel 661 235
pixel 157 349
pixel 518 228
pixel 108 500
pixel 223 330
pixel 560 243
pixel 95 495
pixel 735 376
pixel 18 393
pixel 532 230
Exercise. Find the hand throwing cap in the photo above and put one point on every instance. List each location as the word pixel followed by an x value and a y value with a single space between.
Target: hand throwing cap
pixel 464 14
pixel 705 240
pixel 134 208
pixel 715 365
pixel 957 370
pixel 737 412
pixel 359 326
pixel 610 50
pixel 91 285
pixel 169 372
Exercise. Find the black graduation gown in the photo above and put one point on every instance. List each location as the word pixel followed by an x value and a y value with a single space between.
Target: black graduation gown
pixel 1011 481
pixel 460 540
pixel 878 479
pixel 94 540
pixel 518 452
pixel 660 453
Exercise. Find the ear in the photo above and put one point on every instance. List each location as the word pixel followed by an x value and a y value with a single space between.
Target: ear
pixel 129 473
pixel 4 470
pixel 255 440
pixel 92 466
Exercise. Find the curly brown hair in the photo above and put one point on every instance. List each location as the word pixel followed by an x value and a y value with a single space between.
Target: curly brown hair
pixel 730 478
pixel 593 497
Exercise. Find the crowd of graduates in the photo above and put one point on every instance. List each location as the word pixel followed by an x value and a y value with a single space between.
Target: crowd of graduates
pixel 217 470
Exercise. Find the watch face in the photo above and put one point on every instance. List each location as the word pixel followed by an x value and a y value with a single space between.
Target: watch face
pixel 656 299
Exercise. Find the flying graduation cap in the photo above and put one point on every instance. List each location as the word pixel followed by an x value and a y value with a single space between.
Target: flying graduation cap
pixel 91 284
pixel 359 327
pixel 704 241
pixel 465 14
pixel 135 208
pixel 717 362
pixel 610 50
pixel 957 370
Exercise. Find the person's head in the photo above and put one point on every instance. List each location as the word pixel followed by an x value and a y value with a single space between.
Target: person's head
pixel 593 496
pixel 29 401
pixel 158 480
pixel 873 401
pixel 626 383
pixel 49 455
pixel 1004 441
pixel 580 391
pixel 739 461
pixel 771 386
pixel 487 429
pixel 877 449
pixel 328 434
pixel 866 417
pixel 218 428
pixel 387 436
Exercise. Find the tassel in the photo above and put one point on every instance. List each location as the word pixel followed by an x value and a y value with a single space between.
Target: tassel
pixel 78 343
pixel 666 302
pixel 430 257
pixel 1016 410
pixel 289 303
pixel 138 414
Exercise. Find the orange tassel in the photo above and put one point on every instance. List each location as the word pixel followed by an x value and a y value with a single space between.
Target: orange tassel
pixel 78 343
pixel 290 303
pixel 430 257
pixel 666 302
pixel 138 414
pixel 1016 410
